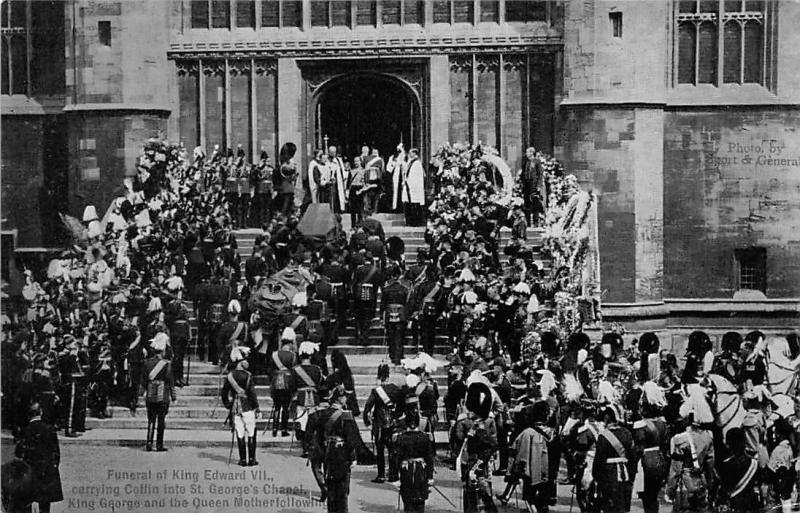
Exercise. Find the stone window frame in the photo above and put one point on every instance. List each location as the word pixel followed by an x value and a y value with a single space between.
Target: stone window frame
pixel 282 14
pixel 404 13
pixel 751 268
pixel 732 13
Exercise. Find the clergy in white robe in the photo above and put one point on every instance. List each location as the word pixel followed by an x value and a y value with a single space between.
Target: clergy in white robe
pixel 414 189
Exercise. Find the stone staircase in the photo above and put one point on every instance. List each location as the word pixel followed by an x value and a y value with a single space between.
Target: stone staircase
pixel 199 409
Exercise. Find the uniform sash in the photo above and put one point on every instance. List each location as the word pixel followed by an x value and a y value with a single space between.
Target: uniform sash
pixel 304 376
pixel 383 395
pixel 153 373
pixel 278 362
pixel 297 322
pixel 745 480
pixel 236 387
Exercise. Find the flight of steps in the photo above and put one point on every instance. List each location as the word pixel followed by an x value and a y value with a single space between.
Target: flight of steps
pixel 199 408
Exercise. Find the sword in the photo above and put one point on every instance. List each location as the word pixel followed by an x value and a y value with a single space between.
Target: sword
pixel 444 496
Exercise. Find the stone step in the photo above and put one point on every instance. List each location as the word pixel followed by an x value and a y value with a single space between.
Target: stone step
pixel 364 376
pixel 207 423
pixel 101 436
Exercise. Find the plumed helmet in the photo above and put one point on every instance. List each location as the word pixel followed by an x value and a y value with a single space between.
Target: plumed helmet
pixel 470 298
pixel 478 399
pixel 383 371
pixel 159 342
pixel 522 288
pixel 308 348
pixel 90 214
pixel 288 334
pixel 154 305
pixel 412 380
pixel 732 341
pixel 466 276
pixel 239 353
pixel 300 300
pixel 234 307
pixel 649 342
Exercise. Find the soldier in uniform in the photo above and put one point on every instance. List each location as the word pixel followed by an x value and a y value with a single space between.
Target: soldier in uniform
pixel 477 434
pixel 337 275
pixel 159 390
pixel 393 305
pixel 414 449
pixel 233 333
pixel 342 445
pixel 307 378
pixel 739 476
pixel 71 396
pixel 314 441
pixel 282 386
pixel 38 447
pixel 380 411
pixel 239 397
pixel 583 455
pixel 176 317
pixel 427 392
pixel 366 280
pixel 692 464
pixel 263 189
pixel 232 194
pixel 427 305
pixel 531 458
pixel 650 438
pixel 218 296
pixel 614 465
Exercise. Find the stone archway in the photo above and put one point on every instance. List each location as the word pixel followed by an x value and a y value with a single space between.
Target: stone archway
pixel 376 109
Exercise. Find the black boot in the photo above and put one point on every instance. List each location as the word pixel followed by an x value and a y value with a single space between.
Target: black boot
pixel 150 431
pixel 251 448
pixel 242 452
pixel 160 437
pixel 275 416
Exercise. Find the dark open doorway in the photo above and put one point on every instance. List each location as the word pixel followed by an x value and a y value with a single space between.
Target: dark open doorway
pixel 376 110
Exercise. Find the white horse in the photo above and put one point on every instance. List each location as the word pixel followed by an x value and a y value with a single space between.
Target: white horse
pixel 728 408
pixel 781 369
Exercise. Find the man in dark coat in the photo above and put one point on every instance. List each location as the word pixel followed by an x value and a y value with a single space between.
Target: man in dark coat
pixel 38 447
pixel 218 295
pixel 282 385
pixel 393 305
pixel 366 280
pixel 337 275
pixel 239 397
pixel 307 378
pixel 255 267
pixel 532 177
pixel 739 475
pixel 159 389
pixel 614 466
pixel 427 307
pixel 415 459
pixel 342 444
pixel 380 411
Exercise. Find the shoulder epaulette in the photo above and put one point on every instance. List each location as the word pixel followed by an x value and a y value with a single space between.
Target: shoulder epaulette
pixel 639 424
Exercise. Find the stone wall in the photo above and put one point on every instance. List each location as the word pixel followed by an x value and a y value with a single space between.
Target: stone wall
pixel 731 180
pixel 102 153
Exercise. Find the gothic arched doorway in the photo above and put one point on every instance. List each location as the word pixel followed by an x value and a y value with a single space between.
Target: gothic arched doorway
pixel 366 108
